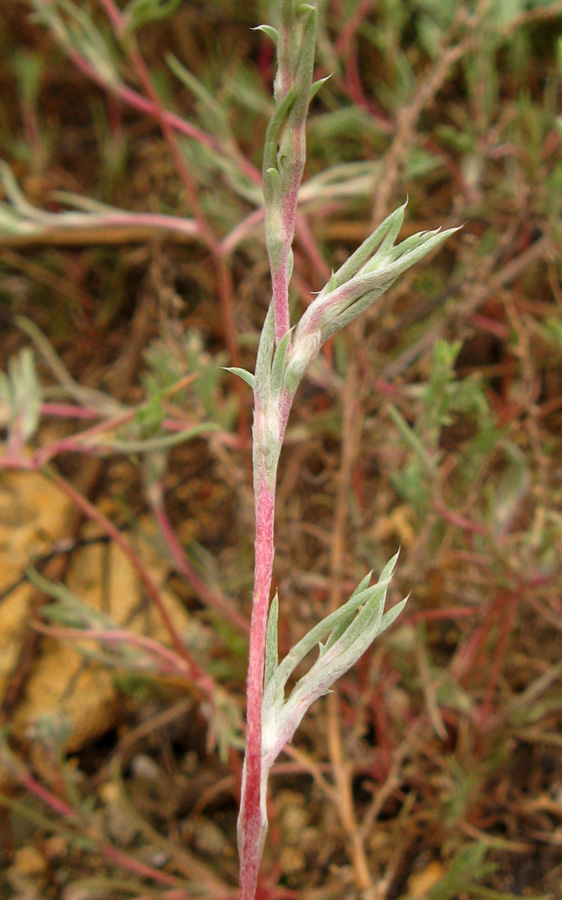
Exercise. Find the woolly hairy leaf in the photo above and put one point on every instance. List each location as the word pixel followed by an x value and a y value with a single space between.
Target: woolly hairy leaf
pixel 242 373
pixel 271 641
pixel 279 364
pixel 269 31
pixel 352 629
pixel 262 382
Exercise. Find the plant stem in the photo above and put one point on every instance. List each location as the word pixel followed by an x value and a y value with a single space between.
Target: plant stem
pixel 252 823
pixel 283 165
pixel 285 149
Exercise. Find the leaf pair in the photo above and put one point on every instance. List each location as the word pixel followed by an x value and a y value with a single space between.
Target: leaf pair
pixel 350 630
pixel 367 274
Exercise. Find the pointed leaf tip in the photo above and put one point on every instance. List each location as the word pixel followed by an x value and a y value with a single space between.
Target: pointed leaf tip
pixel 269 31
pixel 392 614
pixel 242 373
pixel 363 584
pixel 318 84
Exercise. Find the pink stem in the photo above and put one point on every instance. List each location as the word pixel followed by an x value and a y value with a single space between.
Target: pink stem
pixel 69 411
pixel 252 822
pixel 42 793
pixel 171 663
pixel 134 865
pixel 136 100
pixel 210 597
pixel 63 809
pixel 204 681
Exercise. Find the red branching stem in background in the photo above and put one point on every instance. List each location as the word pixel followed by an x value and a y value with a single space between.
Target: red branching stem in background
pixel 62 809
pixel 210 597
pixel 166 661
pixel 204 681
pixel 224 277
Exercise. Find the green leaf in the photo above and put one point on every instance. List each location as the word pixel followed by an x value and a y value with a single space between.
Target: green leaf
pixel 242 373
pixel 427 242
pixel 272 189
pixel 393 231
pixel 305 70
pixel 363 584
pixel 363 253
pixel 274 129
pixel 316 85
pixel 213 114
pixel 346 612
pixel 76 31
pixel 313 637
pixel 68 609
pixel 412 439
pixel 139 12
pixel 162 442
pixel 363 629
pixel 352 635
pixel 269 31
pixel 20 395
pixel 271 641
pixel 392 614
pixel 361 589
pixel 262 383
pixel 279 364
pixel 330 313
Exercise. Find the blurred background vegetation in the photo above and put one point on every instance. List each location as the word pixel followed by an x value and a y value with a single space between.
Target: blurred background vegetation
pixel 435 425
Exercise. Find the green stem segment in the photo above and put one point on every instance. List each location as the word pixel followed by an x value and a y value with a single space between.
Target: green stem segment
pixel 285 147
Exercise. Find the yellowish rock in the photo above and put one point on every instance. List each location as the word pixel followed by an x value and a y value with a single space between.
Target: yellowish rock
pixel 66 689
pixel 32 518
pixel 420 883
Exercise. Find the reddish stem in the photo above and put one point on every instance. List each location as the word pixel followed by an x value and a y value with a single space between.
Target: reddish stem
pixel 169 662
pixel 66 812
pixel 224 277
pixel 136 100
pixel 251 824
pixel 54 803
pixel 204 681
pixel 210 597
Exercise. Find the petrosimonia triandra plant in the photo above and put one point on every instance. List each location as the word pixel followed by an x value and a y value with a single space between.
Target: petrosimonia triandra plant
pixel 283 356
